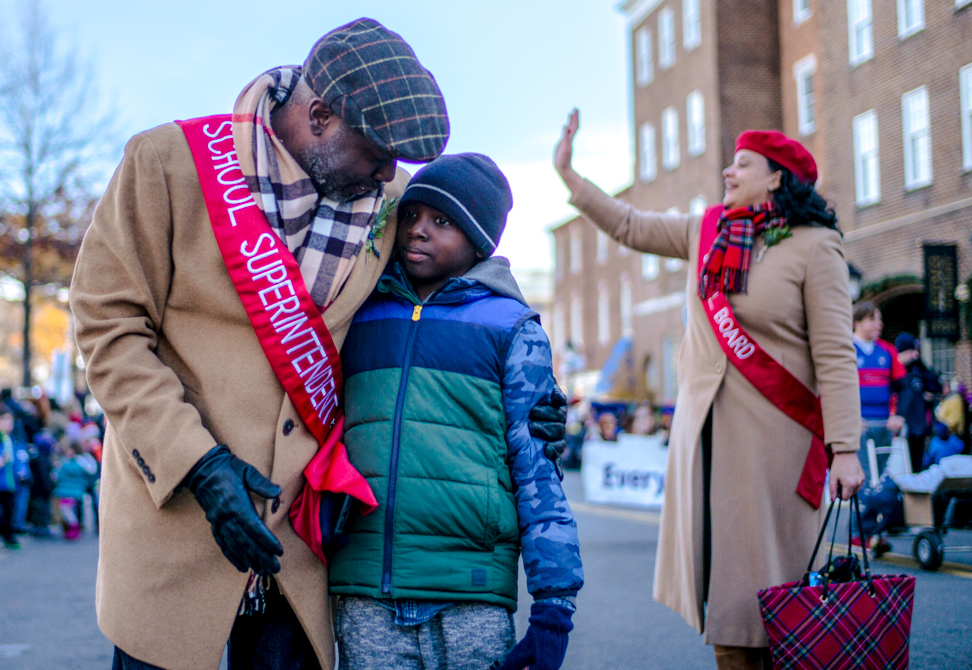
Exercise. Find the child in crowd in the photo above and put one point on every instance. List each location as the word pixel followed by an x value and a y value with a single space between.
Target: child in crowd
pixel 75 475
pixel 8 480
pixel 442 366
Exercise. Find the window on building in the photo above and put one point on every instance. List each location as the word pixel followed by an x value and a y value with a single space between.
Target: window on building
pixel 559 332
pixel 627 312
pixel 602 247
pixel 695 118
pixel 965 85
pixel 666 38
pixel 801 11
pixel 917 138
pixel 859 26
pixel 671 155
pixel 911 17
pixel 691 24
pixel 649 160
pixel 961 3
pixel 697 205
pixel 649 267
pixel 576 259
pixel 576 320
pixel 644 63
pixel 803 71
pixel 603 314
pixel 867 177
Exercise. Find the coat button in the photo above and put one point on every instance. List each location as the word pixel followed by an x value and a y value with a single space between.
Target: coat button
pixel 718 367
pixel 151 479
pixel 146 470
pixel 288 427
pixel 275 505
pixel 140 461
pixel 135 453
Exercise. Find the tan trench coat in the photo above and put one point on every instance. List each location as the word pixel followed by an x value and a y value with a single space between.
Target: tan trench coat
pixel 798 309
pixel 175 364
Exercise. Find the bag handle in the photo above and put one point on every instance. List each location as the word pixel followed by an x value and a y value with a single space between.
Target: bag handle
pixel 820 536
pixel 856 508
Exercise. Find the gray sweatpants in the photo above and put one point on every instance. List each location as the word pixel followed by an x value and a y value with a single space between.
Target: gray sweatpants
pixel 464 636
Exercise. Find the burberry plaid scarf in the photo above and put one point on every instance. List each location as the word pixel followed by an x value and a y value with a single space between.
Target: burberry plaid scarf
pixel 324 235
pixel 727 263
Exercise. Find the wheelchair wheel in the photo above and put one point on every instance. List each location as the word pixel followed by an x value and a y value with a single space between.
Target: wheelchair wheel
pixel 928 549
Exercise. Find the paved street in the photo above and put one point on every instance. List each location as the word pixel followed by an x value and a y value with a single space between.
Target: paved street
pixel 47 603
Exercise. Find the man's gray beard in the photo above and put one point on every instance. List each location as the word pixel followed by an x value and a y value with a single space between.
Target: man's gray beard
pixel 318 163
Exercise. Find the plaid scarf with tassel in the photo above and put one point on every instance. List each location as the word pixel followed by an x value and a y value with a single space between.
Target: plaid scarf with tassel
pixel 727 263
pixel 324 235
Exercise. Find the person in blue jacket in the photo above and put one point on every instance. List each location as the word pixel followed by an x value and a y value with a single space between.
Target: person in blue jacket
pixel 438 422
pixel 8 479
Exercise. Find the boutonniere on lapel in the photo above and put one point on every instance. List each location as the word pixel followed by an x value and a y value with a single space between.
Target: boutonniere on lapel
pixel 378 227
pixel 772 237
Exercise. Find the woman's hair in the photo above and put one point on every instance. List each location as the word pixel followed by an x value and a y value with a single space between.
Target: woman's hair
pixel 799 202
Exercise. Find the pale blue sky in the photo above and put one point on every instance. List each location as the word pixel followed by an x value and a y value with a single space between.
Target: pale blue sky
pixel 510 71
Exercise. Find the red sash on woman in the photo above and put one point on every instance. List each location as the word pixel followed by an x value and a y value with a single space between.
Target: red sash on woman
pixel 787 393
pixel 289 326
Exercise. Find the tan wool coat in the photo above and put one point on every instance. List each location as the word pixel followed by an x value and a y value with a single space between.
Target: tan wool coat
pixel 798 310
pixel 174 362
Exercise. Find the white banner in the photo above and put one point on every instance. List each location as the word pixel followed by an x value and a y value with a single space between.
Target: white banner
pixel 630 471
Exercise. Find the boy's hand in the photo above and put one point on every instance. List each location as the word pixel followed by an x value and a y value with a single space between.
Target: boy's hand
pixel 548 422
pixel 545 643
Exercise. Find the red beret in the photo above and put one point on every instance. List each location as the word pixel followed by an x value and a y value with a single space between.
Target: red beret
pixel 778 147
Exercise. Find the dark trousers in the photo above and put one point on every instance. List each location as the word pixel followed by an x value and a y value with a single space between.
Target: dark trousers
pixel 7 516
pixel 273 640
pixel 916 448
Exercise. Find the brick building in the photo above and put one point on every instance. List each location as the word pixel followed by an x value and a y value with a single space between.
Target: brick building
pixel 883 99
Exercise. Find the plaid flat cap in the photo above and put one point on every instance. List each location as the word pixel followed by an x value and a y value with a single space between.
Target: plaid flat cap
pixel 373 79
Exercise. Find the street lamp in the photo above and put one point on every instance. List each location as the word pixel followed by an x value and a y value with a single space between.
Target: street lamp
pixel 854 282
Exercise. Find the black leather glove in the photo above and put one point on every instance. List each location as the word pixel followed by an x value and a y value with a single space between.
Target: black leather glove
pixel 222 484
pixel 548 422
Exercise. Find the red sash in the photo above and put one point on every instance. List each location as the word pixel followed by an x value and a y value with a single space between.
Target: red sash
pixel 289 326
pixel 787 393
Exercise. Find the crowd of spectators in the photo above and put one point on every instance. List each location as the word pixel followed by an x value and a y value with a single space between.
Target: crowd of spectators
pixel 50 462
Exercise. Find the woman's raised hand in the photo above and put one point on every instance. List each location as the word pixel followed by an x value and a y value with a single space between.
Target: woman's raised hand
pixel 565 150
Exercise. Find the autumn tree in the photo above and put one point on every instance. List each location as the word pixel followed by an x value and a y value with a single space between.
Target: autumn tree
pixel 54 136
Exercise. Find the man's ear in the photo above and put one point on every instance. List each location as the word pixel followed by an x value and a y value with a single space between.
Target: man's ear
pixel 319 116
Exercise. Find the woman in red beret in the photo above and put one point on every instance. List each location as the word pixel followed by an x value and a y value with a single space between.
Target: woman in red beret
pixel 768 386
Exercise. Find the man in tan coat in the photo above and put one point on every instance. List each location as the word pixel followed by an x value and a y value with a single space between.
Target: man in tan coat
pixel 197 419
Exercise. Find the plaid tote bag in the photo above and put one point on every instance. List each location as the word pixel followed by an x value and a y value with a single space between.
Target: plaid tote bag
pixel 841 618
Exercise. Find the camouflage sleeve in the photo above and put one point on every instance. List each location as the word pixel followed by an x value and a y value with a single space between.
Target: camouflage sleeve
pixel 548 534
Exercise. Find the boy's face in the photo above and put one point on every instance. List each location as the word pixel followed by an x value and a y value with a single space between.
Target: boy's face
pixel 6 423
pixel 433 248
pixel 869 328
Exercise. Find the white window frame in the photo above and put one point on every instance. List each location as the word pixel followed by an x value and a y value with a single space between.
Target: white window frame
pixel 911 17
pixel 697 205
pixel 602 247
pixel 691 24
pixel 695 122
pixel 603 313
pixel 648 163
pixel 671 153
pixel 965 87
pixel 649 267
pixel 666 38
pixel 801 11
pixel 860 30
pixel 576 249
pixel 867 163
pixel 627 307
pixel 803 72
pixel 576 320
pixel 916 133
pixel 644 57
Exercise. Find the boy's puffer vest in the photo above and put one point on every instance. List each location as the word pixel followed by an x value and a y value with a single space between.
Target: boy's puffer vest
pixel 425 425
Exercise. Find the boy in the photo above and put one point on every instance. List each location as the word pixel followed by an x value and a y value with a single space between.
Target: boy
pixel 437 422
pixel 8 482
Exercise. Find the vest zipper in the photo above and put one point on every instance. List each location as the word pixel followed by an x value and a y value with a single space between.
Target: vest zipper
pixel 393 465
